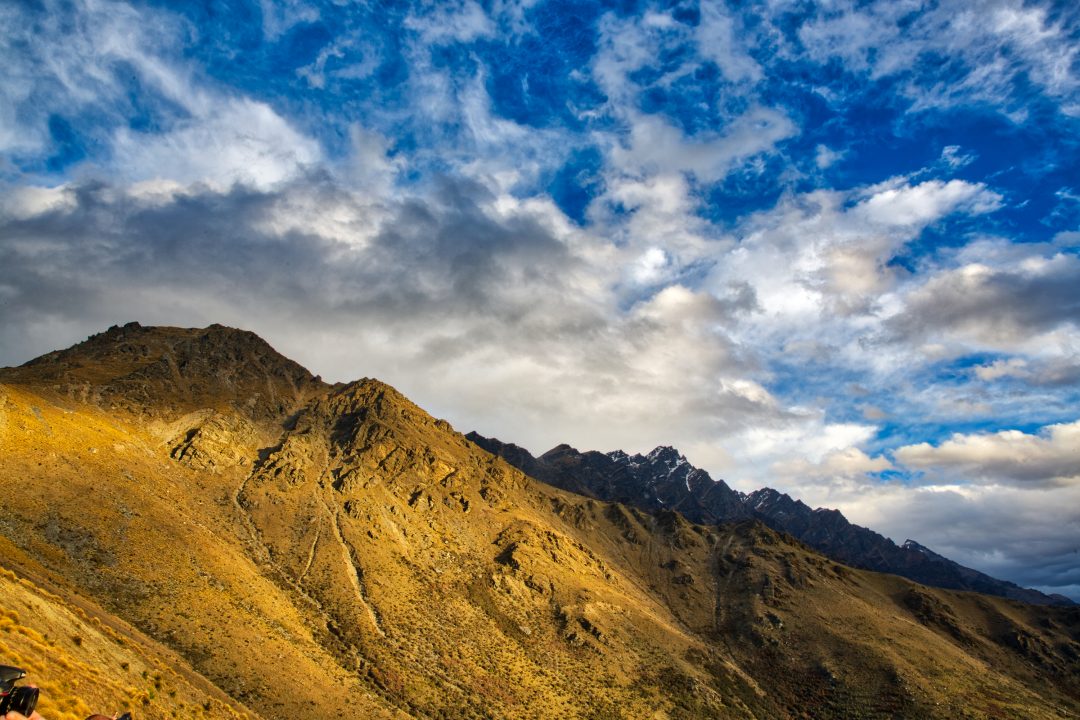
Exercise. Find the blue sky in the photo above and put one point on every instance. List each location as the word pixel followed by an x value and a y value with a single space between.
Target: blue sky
pixel 829 247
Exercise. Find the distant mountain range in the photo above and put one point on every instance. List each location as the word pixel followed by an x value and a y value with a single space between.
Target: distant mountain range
pixel 664 480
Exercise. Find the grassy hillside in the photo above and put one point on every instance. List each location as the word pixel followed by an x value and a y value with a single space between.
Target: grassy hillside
pixel 84 664
pixel 346 555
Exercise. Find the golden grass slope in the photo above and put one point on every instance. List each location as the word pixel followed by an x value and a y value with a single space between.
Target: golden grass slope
pixel 101 506
pixel 84 664
pixel 343 554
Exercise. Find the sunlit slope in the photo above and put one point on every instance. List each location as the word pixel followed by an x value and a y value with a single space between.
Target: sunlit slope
pixel 84 661
pixel 99 502
pixel 350 556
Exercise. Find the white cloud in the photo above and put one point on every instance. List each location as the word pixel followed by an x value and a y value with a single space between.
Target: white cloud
pixel 650 266
pixel 278 16
pixel 819 258
pixel 657 147
pixel 1051 457
pixel 371 165
pixel 955 158
pixel 22 202
pixel 461 21
pixel 231 140
pixel 804 447
pixel 720 40
pixel 825 157
pixel 899 204
pixel 845 463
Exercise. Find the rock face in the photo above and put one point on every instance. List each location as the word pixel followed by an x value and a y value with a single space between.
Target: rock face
pixel 663 479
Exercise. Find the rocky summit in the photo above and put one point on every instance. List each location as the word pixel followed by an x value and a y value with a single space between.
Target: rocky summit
pixel 195 526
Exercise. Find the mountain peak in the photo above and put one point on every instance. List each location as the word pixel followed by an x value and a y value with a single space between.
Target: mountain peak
pixel 666 454
pixel 150 369
pixel 913 546
pixel 661 480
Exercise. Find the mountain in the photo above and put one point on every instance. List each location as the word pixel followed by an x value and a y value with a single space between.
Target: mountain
pixel 287 548
pixel 164 370
pixel 831 533
pixel 663 479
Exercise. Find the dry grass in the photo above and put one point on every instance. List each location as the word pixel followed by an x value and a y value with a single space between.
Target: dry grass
pixel 364 560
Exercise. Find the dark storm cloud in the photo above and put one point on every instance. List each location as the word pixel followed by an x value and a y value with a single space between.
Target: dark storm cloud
pixel 973 525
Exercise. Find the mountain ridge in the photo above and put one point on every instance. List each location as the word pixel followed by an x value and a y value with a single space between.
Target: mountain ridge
pixel 640 480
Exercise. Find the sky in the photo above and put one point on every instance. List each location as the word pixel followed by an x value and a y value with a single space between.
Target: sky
pixel 832 247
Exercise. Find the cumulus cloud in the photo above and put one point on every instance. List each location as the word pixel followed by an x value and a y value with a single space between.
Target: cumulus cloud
pixel 899 204
pixel 830 252
pixel 1000 308
pixel 420 292
pixel 1051 457
pixel 843 463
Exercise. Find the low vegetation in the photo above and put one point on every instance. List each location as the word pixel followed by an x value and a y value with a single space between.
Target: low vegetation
pixel 337 552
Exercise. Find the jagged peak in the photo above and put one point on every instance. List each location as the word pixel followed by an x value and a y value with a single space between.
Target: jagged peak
pixel 910 544
pixel 667 454
pixel 560 450
pixel 767 494
pixel 770 497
